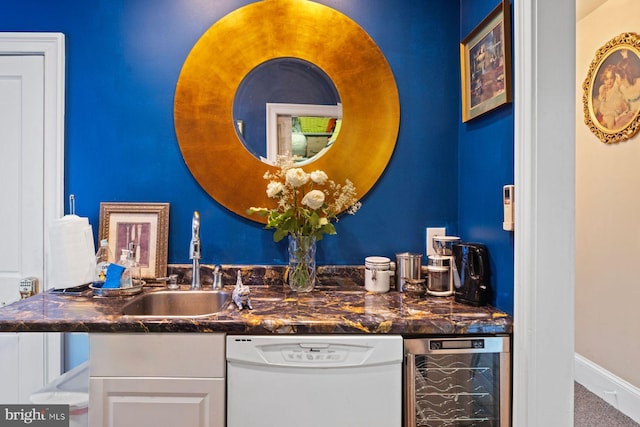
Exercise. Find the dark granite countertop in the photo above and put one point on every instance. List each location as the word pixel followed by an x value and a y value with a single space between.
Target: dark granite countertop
pixel 337 305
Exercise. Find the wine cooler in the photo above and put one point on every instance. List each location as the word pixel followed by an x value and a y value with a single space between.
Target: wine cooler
pixel 461 382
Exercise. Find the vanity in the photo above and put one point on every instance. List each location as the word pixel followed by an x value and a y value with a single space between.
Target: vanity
pixel 143 366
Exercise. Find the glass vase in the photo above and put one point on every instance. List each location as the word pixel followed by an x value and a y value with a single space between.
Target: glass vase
pixel 302 263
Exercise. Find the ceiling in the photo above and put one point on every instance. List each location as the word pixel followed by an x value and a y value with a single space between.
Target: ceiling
pixel 585 7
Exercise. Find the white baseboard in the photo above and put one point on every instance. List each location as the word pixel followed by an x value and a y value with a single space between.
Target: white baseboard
pixel 614 390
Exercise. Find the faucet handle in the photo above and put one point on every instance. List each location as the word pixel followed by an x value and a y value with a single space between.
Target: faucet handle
pixel 217 278
pixel 172 281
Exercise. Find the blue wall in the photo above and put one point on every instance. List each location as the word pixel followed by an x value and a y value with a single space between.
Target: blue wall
pixel 485 164
pixel 123 62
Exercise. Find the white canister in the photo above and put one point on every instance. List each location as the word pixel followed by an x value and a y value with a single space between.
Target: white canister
pixel 377 274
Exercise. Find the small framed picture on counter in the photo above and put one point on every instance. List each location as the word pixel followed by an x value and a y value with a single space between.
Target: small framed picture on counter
pixel 144 224
pixel 485 64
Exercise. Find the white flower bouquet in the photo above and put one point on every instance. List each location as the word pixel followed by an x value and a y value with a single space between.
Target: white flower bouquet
pixel 306 202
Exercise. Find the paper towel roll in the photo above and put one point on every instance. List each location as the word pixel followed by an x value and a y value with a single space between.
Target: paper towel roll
pixel 72 259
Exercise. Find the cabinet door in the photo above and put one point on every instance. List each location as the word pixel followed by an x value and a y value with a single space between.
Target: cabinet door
pixel 156 402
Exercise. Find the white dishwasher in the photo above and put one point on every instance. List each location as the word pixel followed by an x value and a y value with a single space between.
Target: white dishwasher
pixel 314 380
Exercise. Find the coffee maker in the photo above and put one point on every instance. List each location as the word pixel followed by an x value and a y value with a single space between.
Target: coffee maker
pixel 440 267
pixel 472 265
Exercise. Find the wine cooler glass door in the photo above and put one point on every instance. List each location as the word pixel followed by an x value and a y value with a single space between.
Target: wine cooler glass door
pixel 458 382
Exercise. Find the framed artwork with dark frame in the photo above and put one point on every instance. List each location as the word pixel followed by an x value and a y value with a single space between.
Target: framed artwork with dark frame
pixel 485 64
pixel 611 90
pixel 144 224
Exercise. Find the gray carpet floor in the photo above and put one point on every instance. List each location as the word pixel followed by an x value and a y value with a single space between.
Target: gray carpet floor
pixel 591 411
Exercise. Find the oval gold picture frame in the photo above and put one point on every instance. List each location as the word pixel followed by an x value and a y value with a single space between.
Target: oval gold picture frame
pixel 261 31
pixel 611 91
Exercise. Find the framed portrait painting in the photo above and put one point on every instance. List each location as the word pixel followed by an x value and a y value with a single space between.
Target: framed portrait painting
pixel 141 226
pixel 611 90
pixel 485 64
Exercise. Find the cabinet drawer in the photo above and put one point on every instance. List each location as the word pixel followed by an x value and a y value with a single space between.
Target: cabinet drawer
pixel 157 354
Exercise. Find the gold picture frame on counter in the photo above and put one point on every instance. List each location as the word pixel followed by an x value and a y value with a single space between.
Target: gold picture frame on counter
pixel 485 64
pixel 611 90
pixel 145 224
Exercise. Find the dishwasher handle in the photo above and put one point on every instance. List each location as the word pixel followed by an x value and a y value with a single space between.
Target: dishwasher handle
pixel 311 346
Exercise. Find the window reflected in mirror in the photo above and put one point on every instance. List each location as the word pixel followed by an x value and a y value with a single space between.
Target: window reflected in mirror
pixel 301 132
pixel 287 107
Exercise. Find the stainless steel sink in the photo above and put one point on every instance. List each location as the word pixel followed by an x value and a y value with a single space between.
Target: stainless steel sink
pixel 177 304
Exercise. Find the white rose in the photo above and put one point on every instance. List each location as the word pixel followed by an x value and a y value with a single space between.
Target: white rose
pixel 314 199
pixel 274 188
pixel 296 177
pixel 319 177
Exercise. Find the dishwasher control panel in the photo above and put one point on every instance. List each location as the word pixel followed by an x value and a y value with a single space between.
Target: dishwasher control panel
pixel 313 355
pixel 314 351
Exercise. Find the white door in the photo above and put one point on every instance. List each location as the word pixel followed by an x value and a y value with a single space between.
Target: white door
pixel 27 360
pixel 21 172
pixel 22 245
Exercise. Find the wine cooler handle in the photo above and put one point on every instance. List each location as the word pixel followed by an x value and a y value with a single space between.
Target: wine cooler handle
pixel 410 390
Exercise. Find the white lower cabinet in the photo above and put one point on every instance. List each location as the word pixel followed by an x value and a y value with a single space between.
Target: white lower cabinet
pixel 157 380
pixel 157 402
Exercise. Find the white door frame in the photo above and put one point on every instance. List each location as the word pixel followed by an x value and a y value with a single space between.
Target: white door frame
pixel 544 258
pixel 52 47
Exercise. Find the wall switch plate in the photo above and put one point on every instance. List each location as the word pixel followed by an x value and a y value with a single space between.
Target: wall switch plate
pixel 433 231
pixel 28 287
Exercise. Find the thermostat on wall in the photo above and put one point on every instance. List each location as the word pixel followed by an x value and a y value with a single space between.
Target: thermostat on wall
pixel 508 199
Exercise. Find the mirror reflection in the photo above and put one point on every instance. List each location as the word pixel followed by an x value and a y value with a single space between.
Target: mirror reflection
pixel 302 132
pixel 287 107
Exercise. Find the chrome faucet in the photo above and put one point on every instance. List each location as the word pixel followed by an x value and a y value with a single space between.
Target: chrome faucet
pixel 195 252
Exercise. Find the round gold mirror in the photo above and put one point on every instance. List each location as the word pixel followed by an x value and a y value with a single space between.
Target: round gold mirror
pixel 262 31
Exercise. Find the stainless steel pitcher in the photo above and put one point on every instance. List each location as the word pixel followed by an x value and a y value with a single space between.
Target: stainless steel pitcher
pixel 408 269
